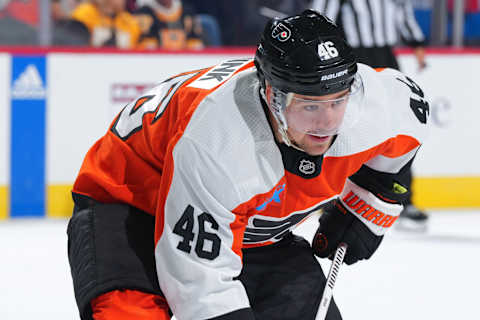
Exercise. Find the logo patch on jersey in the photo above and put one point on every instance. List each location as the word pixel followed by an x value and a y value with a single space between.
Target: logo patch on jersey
pixel 281 32
pixel 219 74
pixel 275 197
pixel 263 228
pixel 306 166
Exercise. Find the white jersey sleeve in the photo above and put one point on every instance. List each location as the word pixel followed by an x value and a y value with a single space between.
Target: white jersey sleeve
pixel 395 113
pixel 408 110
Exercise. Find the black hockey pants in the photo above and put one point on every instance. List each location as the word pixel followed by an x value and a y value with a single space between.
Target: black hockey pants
pixel 284 281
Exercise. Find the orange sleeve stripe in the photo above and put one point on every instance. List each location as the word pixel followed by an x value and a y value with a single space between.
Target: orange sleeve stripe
pixel 391 148
pixel 400 145
pixel 245 67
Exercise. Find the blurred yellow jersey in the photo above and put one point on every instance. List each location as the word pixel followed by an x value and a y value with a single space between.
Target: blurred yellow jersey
pixel 121 31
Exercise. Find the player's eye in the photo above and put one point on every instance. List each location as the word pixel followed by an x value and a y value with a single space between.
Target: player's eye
pixel 310 107
pixel 339 102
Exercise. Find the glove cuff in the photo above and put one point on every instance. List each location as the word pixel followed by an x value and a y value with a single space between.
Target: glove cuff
pixel 375 213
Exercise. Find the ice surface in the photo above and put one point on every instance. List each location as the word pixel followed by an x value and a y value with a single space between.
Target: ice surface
pixel 411 277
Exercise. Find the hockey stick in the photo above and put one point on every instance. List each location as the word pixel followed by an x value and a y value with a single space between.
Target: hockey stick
pixel 332 277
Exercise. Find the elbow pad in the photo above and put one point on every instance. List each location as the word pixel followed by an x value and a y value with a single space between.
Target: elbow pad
pixel 110 247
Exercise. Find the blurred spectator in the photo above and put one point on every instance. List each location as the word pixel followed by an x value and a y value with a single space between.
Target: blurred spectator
pixel 211 34
pixel 67 31
pixel 25 11
pixel 230 15
pixel 131 5
pixel 18 19
pixel 70 32
pixel 168 25
pixel 58 10
pixel 109 23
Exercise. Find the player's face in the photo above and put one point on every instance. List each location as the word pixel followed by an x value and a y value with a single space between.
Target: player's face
pixel 314 120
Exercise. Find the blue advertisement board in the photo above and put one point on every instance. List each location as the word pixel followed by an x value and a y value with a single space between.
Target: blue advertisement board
pixel 28 131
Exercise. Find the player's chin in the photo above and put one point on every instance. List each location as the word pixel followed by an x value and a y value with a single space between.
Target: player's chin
pixel 315 145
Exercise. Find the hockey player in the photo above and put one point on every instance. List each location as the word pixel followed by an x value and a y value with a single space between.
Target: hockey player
pixel 187 204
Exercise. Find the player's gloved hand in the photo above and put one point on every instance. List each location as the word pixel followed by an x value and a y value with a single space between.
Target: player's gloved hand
pixel 338 225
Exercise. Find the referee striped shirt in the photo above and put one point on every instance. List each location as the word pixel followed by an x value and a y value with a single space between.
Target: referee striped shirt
pixel 373 23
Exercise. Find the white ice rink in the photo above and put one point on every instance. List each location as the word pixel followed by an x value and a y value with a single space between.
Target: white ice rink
pixel 411 277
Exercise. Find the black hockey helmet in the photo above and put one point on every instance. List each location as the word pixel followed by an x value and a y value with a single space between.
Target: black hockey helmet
pixel 305 54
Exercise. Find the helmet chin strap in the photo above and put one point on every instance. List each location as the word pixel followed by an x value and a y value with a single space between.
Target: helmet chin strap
pixel 282 125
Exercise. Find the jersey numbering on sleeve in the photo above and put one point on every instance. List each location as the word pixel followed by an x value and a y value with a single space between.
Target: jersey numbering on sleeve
pixel 130 119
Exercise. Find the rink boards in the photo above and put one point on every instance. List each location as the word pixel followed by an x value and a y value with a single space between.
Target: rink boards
pixel 55 105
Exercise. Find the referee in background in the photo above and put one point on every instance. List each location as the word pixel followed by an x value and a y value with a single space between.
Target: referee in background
pixel 373 28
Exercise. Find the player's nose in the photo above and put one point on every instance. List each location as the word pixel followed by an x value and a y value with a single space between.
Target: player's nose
pixel 328 120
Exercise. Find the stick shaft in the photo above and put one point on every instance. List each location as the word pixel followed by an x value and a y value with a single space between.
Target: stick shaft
pixel 332 277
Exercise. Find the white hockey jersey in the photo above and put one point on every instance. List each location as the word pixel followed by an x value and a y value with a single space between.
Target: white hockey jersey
pixel 197 151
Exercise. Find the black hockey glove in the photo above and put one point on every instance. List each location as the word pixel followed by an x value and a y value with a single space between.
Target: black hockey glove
pixel 338 225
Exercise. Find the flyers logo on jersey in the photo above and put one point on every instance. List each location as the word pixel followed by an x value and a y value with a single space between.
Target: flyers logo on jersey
pixel 265 228
pixel 219 74
pixel 281 32
pixel 366 211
